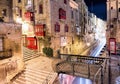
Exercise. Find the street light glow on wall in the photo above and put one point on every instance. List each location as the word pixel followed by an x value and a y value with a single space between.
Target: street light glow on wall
pixel 25 28
pixel 88 44
pixel 19 20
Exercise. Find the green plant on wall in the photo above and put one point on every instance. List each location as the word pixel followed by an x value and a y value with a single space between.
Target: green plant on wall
pixel 46 40
pixel 48 51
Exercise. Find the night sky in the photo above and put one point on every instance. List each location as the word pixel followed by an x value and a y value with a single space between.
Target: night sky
pixel 98 7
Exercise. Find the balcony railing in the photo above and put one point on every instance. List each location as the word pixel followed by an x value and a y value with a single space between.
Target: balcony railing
pixel 83 66
pixel 5 54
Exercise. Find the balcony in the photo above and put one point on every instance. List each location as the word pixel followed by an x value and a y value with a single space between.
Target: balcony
pixel 5 54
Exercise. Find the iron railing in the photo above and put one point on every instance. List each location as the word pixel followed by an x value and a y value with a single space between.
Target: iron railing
pixel 5 54
pixel 84 66
pixel 83 59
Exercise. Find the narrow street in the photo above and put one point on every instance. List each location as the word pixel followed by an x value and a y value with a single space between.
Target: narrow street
pixel 60 41
pixel 96 52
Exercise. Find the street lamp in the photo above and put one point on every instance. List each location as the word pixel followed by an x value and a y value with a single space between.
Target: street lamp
pixel 88 44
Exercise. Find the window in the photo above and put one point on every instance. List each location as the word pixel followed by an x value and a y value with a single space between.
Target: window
pixel 111 26
pixel 62 14
pixel 57 27
pixel 119 9
pixel 66 28
pixel 20 12
pixel 41 9
pixel 4 12
pixel 19 1
pixel 111 7
pixel 65 1
pixel 72 14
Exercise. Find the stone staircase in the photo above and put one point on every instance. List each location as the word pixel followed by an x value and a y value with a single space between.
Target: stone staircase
pixel 29 54
pixel 35 76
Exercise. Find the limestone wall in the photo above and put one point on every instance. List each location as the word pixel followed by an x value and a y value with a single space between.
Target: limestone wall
pixel 11 34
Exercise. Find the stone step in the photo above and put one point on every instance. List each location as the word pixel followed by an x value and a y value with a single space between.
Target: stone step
pixel 25 57
pixel 18 81
pixel 28 78
pixel 29 58
pixel 29 54
pixel 50 76
pixel 35 76
pixel 38 70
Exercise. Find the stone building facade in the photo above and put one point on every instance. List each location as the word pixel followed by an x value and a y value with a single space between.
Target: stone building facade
pixel 61 20
pixel 51 16
pixel 113 20
pixel 11 56
pixel 60 25
pixel 6 11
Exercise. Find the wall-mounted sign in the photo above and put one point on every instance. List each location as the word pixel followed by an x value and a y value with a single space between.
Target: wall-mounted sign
pixel 63 41
pixel 29 5
pixel 112 45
